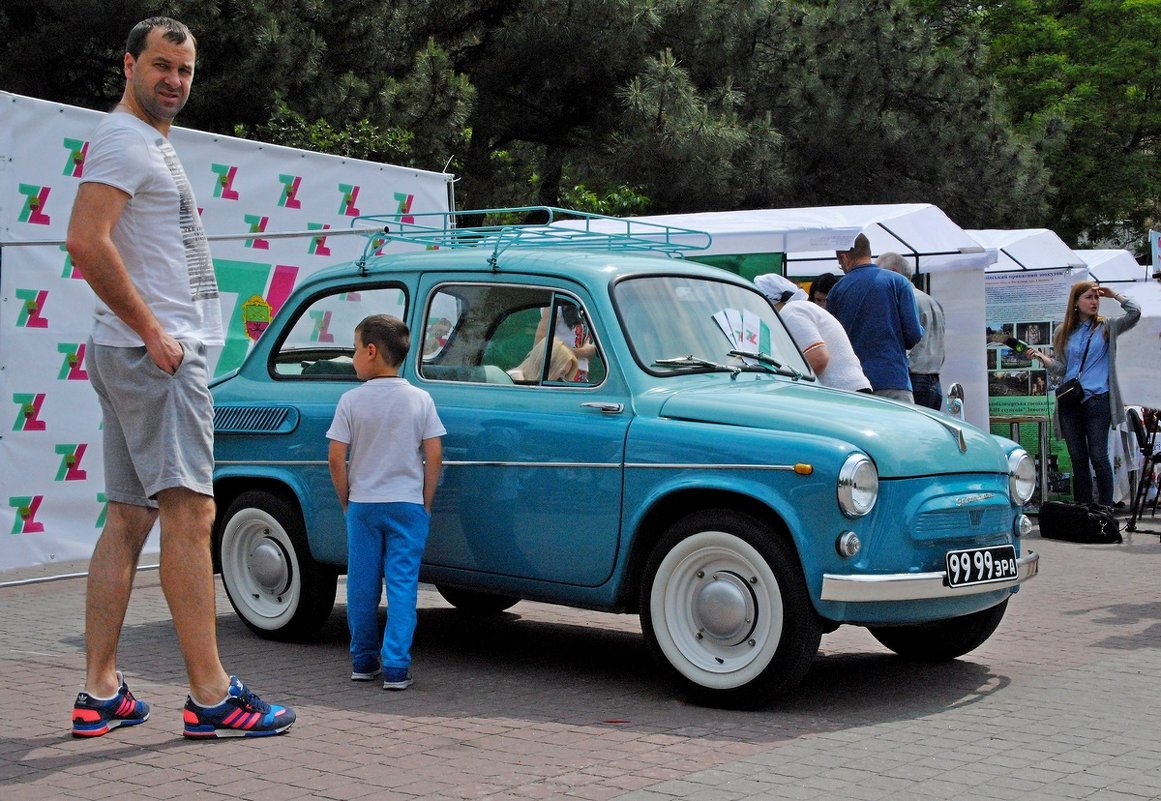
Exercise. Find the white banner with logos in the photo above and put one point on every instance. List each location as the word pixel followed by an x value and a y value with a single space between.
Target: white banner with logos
pixel 52 504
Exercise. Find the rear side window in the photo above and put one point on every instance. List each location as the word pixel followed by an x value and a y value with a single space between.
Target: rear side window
pixel 321 341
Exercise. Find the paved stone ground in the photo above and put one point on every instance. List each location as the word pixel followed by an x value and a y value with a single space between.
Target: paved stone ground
pixel 547 703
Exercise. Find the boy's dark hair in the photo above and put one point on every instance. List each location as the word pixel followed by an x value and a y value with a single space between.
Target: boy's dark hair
pixel 389 334
pixel 173 31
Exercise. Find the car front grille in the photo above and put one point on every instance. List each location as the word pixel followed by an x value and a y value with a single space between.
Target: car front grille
pixel 943 523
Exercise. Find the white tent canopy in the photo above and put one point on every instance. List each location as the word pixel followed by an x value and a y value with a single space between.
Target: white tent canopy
pixel 1023 249
pixel 1113 266
pixel 919 231
pixel 810 236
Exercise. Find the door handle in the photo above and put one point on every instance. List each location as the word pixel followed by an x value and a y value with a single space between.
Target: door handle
pixel 605 407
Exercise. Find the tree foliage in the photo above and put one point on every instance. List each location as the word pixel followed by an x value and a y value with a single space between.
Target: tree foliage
pixel 1084 79
pixel 998 111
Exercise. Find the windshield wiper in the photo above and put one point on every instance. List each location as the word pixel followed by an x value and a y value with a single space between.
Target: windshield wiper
pixel 769 361
pixel 694 361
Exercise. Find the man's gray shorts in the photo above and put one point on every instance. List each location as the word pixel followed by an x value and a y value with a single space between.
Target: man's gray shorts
pixel 158 428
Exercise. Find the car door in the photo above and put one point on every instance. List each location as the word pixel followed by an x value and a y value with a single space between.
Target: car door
pixel 534 452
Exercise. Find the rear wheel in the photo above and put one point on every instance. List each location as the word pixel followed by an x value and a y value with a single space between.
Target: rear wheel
pixel 725 610
pixel 942 640
pixel 476 603
pixel 274 585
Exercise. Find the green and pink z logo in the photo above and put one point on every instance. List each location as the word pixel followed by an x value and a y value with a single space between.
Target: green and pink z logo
pixel 26 508
pixel 73 366
pixel 224 185
pixel 70 462
pixel 78 149
pixel 35 201
pixel 350 197
pixel 31 307
pixel 318 244
pixel 322 324
pixel 28 418
pixel 290 184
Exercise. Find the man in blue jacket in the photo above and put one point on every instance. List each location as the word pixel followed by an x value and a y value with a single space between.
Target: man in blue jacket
pixel 877 309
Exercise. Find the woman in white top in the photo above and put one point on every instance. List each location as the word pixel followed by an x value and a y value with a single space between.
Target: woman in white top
pixel 817 333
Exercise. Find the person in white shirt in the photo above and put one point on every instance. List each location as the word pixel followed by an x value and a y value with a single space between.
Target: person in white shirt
pixel 391 432
pixel 819 336
pixel 136 236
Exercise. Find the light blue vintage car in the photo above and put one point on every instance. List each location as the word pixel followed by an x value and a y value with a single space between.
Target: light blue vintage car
pixel 687 467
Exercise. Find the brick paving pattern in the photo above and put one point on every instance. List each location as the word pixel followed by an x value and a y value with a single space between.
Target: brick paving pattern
pixel 1064 702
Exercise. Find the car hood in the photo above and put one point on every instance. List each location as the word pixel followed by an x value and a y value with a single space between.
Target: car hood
pixel 904 440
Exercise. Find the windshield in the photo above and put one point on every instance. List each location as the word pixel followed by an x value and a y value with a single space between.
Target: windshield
pixel 673 318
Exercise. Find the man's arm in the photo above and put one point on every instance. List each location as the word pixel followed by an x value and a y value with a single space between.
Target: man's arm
pixel 337 462
pixel 432 464
pixel 96 210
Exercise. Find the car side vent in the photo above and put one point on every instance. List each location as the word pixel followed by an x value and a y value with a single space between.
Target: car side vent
pixel 255 419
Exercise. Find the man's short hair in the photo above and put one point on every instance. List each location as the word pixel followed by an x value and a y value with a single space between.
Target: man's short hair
pixel 860 249
pixel 389 334
pixel 896 263
pixel 172 31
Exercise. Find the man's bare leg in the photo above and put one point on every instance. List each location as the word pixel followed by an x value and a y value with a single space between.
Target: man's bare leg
pixel 187 579
pixel 111 571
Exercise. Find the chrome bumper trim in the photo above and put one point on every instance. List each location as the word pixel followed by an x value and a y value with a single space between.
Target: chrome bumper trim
pixel 915 586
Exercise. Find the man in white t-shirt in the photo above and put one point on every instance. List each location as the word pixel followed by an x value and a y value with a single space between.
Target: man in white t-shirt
pixel 137 237
pixel 817 333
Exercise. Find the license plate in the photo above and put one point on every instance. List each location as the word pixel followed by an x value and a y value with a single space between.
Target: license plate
pixel 981 565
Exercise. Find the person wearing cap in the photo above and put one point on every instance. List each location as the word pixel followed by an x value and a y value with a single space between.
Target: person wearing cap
pixel 877 309
pixel 925 360
pixel 817 333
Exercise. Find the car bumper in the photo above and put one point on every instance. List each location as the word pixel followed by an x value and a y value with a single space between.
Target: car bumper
pixel 915 586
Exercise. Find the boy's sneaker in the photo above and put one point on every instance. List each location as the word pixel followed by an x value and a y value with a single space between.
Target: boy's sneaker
pixel 93 717
pixel 396 678
pixel 242 714
pixel 364 671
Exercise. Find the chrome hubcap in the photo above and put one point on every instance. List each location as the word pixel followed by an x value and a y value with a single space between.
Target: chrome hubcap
pixel 724 608
pixel 269 565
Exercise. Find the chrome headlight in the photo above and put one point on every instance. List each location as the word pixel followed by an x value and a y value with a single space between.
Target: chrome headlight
pixel 858 485
pixel 1021 475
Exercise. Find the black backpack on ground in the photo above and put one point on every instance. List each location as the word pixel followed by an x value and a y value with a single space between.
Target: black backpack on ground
pixel 1078 522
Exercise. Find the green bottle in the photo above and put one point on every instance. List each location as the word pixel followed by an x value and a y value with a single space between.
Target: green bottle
pixel 1017 345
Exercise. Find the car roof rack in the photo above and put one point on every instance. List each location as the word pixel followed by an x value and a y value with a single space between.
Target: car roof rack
pixel 560 228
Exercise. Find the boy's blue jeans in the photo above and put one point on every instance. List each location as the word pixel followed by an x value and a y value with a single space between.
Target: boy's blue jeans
pixel 385 541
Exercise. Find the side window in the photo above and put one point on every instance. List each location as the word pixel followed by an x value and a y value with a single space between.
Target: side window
pixel 320 343
pixel 496 335
pixel 574 357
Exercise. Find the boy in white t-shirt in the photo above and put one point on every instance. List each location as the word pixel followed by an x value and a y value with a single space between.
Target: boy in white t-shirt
pixel 386 488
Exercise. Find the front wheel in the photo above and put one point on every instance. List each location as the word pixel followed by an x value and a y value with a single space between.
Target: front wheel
pixel 942 640
pixel 726 612
pixel 272 582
